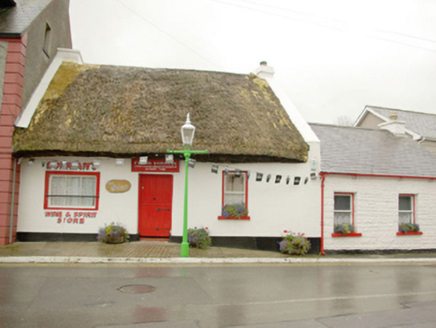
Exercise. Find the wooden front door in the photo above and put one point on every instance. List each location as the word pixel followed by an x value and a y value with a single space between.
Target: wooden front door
pixel 155 205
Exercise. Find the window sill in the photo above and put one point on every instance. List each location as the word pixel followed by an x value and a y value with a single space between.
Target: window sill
pixel 409 233
pixel 233 218
pixel 354 234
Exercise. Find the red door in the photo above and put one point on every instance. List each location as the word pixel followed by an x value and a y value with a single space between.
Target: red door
pixel 155 202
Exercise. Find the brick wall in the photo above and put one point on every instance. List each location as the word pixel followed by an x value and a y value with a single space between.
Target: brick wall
pixel 376 212
pixel 10 109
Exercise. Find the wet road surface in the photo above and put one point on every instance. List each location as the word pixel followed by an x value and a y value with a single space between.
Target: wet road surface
pixel 219 295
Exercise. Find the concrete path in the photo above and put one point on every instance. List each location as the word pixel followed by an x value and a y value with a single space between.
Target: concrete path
pixel 166 252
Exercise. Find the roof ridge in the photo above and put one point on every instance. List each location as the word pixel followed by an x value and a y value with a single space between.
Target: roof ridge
pixel 400 110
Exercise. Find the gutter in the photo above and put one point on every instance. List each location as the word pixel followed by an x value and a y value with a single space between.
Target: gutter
pixel 11 219
pixel 322 212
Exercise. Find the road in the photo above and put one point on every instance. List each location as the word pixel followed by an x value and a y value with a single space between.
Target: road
pixel 236 295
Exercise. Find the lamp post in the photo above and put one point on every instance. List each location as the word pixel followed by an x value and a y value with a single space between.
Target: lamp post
pixel 188 131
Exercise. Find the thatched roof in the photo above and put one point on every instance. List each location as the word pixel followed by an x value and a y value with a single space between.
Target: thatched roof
pixel 128 111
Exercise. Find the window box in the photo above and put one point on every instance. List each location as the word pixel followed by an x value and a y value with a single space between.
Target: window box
pixel 410 233
pixel 352 234
pixel 233 218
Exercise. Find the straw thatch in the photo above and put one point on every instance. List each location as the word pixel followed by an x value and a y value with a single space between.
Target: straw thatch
pixel 126 111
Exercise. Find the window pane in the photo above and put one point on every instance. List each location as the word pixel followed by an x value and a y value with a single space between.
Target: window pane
pixel 235 184
pixel 404 217
pixel 342 218
pixel 405 203
pixel 342 203
pixel 230 199
pixel 74 187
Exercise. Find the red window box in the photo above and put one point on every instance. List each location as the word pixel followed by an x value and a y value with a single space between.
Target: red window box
pixel 353 234
pixel 411 233
pixel 233 218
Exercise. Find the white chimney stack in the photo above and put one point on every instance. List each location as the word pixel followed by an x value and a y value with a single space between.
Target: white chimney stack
pixel 397 128
pixel 264 71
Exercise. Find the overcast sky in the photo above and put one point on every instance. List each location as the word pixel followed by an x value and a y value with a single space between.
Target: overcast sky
pixel 332 57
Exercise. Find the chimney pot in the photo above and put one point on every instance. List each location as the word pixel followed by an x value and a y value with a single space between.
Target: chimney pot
pixel 393 116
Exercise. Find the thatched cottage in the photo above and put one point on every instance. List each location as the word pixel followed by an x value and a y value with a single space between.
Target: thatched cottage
pixel 93 141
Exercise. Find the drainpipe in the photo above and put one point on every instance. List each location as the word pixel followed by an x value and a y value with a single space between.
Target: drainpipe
pixel 11 221
pixel 322 212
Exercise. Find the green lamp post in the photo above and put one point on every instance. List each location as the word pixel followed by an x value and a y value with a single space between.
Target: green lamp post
pixel 188 131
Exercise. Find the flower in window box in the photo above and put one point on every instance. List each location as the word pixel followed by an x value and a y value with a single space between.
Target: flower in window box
pixel 234 211
pixel 294 244
pixel 344 228
pixel 408 227
pixel 113 234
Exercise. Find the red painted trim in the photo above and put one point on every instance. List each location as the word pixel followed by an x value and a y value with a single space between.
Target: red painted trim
pixel 46 189
pixel 234 218
pixel 322 213
pixel 353 234
pixel 246 188
pixel 409 233
pixel 377 175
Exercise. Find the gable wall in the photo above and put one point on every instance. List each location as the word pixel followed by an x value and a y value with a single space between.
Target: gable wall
pixel 370 121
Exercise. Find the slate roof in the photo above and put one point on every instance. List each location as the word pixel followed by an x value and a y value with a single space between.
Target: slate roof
pixel 368 151
pixel 124 111
pixel 421 123
pixel 15 20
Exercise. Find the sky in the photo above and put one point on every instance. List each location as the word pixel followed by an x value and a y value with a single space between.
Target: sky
pixel 332 57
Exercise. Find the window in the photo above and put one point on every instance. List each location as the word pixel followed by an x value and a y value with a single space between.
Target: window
pixel 406 209
pixel 344 216
pixel 71 190
pixel 343 209
pixel 234 200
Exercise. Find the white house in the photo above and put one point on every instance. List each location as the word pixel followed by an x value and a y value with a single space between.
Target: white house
pixel 93 142
pixel 376 181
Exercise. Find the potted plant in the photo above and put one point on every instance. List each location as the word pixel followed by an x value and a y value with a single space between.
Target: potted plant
pixel 344 228
pixel 408 227
pixel 113 234
pixel 199 238
pixel 234 211
pixel 295 244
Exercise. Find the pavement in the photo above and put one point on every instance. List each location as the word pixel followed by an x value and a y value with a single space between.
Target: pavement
pixel 167 252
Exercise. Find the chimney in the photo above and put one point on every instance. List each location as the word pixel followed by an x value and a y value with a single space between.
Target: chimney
pixel 264 71
pixel 397 128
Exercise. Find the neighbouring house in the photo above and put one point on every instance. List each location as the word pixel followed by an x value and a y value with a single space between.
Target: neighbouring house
pixel 420 127
pixel 30 33
pixel 93 146
pixel 378 190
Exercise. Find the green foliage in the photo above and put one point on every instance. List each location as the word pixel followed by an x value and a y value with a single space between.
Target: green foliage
pixel 234 211
pixel 199 238
pixel 111 232
pixel 344 228
pixel 295 244
pixel 408 227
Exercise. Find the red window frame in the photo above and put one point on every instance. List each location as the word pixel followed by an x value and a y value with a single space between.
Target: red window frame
pixel 245 173
pixel 48 174
pixel 413 215
pixel 353 234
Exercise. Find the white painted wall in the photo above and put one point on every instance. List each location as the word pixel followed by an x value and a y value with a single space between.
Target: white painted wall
pixel 273 208
pixel 376 212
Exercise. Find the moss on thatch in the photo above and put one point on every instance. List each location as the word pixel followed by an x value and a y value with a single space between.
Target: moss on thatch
pixel 131 111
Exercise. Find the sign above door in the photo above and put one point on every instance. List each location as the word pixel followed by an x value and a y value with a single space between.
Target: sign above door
pixel 154 165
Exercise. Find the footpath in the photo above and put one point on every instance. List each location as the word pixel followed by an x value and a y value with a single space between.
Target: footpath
pixel 166 252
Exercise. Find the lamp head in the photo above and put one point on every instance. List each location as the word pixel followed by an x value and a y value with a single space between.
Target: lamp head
pixel 188 131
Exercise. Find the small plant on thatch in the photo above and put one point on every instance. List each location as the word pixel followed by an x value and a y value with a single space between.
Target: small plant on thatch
pixel 199 238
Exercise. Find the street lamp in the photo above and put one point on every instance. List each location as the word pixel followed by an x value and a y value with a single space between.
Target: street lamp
pixel 188 131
